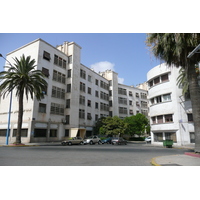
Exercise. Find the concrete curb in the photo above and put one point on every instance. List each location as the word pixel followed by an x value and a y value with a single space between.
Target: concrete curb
pixel 153 161
pixel 18 145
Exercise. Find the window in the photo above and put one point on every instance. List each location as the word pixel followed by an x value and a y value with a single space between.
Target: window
pixel 81 114
pixel 131 112
pixel 82 100
pixel 104 85
pixel 153 120
pixel 152 101
pixel 89 78
pixel 40 132
pixel 96 105
pixel 68 88
pixel 122 91
pixel 55 59
pixel 67 119
pixel 3 132
pixel 143 95
pixel 158 137
pixel 57 109
pixel 137 95
pixel 110 93
pixel 97 93
pixel 46 56
pixel 58 92
pixel 64 64
pixel 166 97
pixel 69 73
pixel 190 117
pixel 170 136
pixel 89 90
pixel 160 119
pixel 122 100
pixel 130 93
pixel 63 79
pixel 82 86
pixel 192 137
pixel 53 93
pixel 156 80
pixel 66 132
pixel 68 103
pixel 54 75
pixel 158 99
pixel 164 78
pixel 42 108
pixel 89 103
pixel 97 82
pixel 70 59
pixel 151 83
pixel 96 117
pixel 59 77
pixel 168 118
pixel 110 103
pixel 122 110
pixel 82 74
pixel 45 71
pixel 143 104
pixel 53 133
pixel 24 132
pixel 60 62
pixel 89 116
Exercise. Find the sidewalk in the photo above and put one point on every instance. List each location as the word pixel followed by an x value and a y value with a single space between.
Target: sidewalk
pixel 177 160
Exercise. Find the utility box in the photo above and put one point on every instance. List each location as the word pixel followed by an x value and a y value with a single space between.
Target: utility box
pixel 168 143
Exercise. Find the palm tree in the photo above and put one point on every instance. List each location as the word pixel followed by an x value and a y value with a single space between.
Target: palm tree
pixel 174 48
pixel 22 77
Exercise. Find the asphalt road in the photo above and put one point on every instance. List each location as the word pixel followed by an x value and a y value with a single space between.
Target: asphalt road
pixel 84 155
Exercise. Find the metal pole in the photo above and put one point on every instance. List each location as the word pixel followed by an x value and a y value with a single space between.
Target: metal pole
pixel 9 112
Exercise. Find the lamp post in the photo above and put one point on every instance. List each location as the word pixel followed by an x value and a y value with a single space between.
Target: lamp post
pixel 9 112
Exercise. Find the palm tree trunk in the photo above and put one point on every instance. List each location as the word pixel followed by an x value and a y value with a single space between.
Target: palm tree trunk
pixel 195 99
pixel 20 118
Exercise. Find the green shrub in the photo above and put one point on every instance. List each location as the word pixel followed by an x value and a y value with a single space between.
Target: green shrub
pixel 137 138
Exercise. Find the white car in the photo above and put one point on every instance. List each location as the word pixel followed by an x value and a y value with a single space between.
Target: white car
pixel 148 139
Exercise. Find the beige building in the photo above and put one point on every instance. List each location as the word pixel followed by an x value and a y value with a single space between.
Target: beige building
pixel 74 100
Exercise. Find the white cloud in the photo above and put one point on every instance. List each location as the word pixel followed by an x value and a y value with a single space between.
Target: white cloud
pixel 102 66
pixel 120 80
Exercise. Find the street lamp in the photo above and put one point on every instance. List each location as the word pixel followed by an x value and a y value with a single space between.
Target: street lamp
pixel 9 112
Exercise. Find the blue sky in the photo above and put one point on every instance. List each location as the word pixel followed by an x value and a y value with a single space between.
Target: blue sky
pixel 125 53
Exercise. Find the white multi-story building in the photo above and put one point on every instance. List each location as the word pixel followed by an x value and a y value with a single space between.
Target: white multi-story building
pixel 75 98
pixel 169 111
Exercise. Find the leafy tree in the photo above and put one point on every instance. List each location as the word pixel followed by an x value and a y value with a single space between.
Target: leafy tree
pixel 174 48
pixel 136 124
pixel 22 78
pixel 98 126
pixel 114 126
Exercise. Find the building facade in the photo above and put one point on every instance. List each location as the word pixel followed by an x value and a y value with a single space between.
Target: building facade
pixel 75 98
pixel 169 111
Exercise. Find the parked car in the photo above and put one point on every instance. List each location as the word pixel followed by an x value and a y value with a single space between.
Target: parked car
pixel 74 140
pixel 148 139
pixel 107 140
pixel 92 140
pixel 118 141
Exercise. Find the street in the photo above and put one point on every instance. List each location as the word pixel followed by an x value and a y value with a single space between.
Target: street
pixel 133 154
